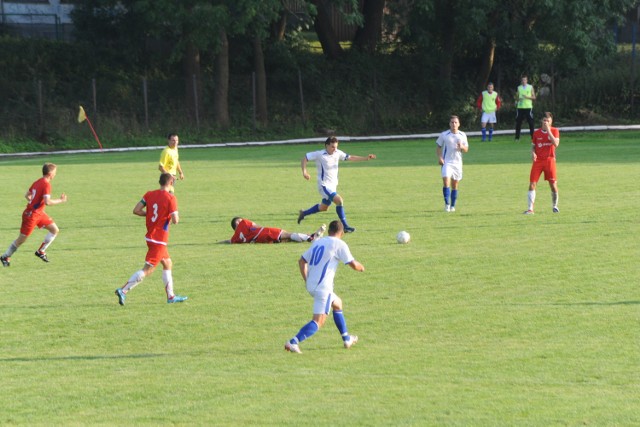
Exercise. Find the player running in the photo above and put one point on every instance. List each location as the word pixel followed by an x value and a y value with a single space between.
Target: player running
pixel 160 208
pixel 327 165
pixel 318 266
pixel 38 196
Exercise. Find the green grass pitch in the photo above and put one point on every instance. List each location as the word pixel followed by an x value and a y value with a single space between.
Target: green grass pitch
pixel 487 317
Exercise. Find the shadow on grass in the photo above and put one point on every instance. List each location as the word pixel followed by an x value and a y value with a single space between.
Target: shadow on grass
pixel 587 303
pixel 100 357
pixel 599 303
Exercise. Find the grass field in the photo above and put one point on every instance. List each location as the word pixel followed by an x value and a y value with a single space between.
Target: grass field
pixel 488 317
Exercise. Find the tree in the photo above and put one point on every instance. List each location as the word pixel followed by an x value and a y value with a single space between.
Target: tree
pixel 518 34
pixel 187 28
pixel 325 31
pixel 368 35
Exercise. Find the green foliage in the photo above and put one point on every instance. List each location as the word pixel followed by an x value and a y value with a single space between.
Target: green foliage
pixel 488 317
pixel 426 68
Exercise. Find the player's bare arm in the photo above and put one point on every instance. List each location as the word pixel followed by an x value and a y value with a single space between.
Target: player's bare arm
pixel 139 209
pixel 175 218
pixel 356 265
pixel 49 201
pixel 362 158
pixel 304 268
pixel 439 155
pixel 303 165
pixel 555 141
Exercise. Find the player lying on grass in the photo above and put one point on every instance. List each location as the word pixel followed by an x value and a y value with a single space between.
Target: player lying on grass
pixel 247 231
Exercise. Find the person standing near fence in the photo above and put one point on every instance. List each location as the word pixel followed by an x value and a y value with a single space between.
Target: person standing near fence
pixel 525 95
pixel 38 196
pixel 170 159
pixel 488 102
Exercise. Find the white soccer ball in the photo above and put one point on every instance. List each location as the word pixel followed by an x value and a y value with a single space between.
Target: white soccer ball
pixel 403 237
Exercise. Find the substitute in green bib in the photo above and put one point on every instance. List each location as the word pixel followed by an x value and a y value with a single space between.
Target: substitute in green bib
pixel 525 95
pixel 488 102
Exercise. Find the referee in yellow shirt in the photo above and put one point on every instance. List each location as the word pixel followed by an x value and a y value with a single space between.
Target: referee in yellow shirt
pixel 170 159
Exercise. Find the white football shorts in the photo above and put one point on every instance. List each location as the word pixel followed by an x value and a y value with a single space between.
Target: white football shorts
pixel 488 118
pixel 322 301
pixel 452 170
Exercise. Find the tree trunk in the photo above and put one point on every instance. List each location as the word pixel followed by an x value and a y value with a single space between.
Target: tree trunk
pixel 279 27
pixel 221 84
pixel 487 64
pixel 193 98
pixel 324 29
pixel 261 81
pixel 368 36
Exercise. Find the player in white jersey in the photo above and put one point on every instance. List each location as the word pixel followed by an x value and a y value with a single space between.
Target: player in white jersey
pixel 327 165
pixel 450 146
pixel 318 267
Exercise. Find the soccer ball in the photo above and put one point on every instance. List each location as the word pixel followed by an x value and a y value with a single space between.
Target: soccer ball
pixel 403 237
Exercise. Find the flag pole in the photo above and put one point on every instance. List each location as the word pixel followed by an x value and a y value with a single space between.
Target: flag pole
pixel 95 135
pixel 82 116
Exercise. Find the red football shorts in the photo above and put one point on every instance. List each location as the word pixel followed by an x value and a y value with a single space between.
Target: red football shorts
pixel 548 166
pixel 156 253
pixel 269 235
pixel 31 220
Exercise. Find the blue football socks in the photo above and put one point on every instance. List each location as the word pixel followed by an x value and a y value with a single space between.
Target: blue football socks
pixel 307 331
pixel 446 192
pixel 312 210
pixel 341 323
pixel 454 197
pixel 341 215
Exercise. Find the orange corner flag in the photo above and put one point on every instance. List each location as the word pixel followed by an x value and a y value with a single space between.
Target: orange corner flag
pixel 82 116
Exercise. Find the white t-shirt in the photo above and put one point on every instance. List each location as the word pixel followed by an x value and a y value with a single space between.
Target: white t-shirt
pixel 323 257
pixel 327 166
pixel 449 143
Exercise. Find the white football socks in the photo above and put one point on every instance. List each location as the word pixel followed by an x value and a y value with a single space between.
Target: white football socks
pixel 167 278
pixel 531 197
pixel 299 237
pixel 133 281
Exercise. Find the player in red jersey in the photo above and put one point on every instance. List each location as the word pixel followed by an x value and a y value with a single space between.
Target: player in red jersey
pixel 38 196
pixel 543 153
pixel 247 231
pixel 160 208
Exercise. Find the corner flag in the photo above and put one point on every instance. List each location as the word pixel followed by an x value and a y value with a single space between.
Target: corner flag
pixel 82 116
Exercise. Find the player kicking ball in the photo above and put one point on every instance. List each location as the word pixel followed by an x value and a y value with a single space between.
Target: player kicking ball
pixel 327 161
